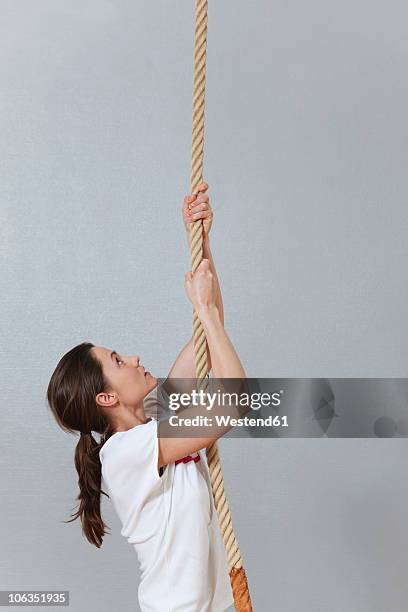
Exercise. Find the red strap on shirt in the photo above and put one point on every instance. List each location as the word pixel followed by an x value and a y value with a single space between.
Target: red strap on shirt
pixel 188 458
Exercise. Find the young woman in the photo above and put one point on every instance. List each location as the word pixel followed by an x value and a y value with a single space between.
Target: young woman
pixel 159 486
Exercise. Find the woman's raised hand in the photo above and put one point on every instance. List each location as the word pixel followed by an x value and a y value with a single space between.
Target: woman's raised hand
pixel 198 207
pixel 201 287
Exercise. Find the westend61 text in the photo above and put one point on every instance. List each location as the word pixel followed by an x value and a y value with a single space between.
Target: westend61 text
pixel 223 421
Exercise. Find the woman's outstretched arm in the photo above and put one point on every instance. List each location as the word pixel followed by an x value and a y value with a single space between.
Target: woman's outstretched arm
pixel 226 364
pixel 184 364
pixel 197 207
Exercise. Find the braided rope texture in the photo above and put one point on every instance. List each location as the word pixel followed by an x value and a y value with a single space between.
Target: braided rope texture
pixel 238 578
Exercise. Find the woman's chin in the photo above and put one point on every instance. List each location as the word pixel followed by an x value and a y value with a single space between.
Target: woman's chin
pixel 149 377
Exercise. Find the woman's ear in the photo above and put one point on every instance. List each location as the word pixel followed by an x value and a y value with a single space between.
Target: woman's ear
pixel 106 400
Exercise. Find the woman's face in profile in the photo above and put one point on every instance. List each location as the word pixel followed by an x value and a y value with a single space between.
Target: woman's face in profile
pixel 129 379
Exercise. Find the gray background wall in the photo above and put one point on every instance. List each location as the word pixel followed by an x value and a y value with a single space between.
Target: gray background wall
pixel 306 156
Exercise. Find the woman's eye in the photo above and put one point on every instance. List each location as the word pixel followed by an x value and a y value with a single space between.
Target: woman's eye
pixel 118 360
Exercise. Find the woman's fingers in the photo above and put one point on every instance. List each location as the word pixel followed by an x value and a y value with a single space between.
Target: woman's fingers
pixel 201 215
pixel 193 200
pixel 199 206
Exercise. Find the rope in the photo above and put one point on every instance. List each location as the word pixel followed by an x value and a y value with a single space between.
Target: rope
pixel 238 578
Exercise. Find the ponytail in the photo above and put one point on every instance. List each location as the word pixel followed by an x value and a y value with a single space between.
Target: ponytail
pixel 71 393
pixel 89 470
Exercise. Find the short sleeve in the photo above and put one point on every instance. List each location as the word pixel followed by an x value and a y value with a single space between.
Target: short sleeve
pixel 129 469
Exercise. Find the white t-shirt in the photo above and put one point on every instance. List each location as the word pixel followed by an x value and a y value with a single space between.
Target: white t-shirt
pixel 170 520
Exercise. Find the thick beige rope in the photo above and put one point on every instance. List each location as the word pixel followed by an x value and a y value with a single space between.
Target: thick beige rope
pixel 239 583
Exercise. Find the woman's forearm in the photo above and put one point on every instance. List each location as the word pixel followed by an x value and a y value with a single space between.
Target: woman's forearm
pixel 224 359
pixel 208 255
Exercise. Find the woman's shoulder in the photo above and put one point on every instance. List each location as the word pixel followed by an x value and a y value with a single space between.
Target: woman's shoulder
pixel 120 441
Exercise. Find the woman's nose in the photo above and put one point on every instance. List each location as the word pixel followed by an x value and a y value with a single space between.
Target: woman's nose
pixel 136 360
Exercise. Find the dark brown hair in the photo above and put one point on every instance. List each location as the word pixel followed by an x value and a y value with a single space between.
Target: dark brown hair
pixel 71 395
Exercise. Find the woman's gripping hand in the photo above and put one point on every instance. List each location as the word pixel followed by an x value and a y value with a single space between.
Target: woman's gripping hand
pixel 197 206
pixel 201 287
